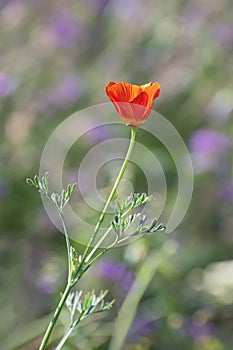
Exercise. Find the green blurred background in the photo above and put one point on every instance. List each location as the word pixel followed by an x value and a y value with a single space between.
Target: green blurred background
pixel 56 58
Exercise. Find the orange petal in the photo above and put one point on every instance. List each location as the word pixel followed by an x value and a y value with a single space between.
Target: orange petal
pixel 141 99
pixel 122 92
pixel 133 102
pixel 131 113
pixel 153 91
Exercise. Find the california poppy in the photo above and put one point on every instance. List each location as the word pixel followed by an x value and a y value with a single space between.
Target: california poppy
pixel 133 102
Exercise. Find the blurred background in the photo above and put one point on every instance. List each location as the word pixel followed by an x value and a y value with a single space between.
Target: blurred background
pixel 56 58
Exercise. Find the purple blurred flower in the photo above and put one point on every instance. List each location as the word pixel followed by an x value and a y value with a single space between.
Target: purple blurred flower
pixel 98 134
pixel 46 284
pixel 142 326
pixel 112 271
pixel 209 141
pixel 70 88
pixel 194 16
pixel 226 191
pixel 7 85
pixel 68 91
pixel 224 34
pixel 116 272
pixel 208 147
pixel 200 331
pixel 127 9
pixel 66 29
pixel 97 6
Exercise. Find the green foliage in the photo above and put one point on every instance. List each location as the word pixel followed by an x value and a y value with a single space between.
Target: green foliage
pixel 122 223
pixel 75 260
pixel 60 200
pixel 133 201
pixel 40 185
pixel 91 304
pixel 153 227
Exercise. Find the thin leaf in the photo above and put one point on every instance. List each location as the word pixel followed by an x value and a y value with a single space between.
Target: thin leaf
pixel 30 182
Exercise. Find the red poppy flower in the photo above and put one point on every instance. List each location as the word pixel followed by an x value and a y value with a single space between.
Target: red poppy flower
pixel 133 102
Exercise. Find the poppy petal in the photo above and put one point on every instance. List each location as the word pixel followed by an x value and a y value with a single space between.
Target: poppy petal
pixel 153 91
pixel 133 102
pixel 141 99
pixel 122 92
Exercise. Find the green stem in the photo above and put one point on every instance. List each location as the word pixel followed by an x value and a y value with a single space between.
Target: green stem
pixel 64 338
pixel 67 246
pixel 67 290
pixel 69 285
pixel 55 317
pixel 68 333
pixel 61 216
pixel 114 189
pixel 97 245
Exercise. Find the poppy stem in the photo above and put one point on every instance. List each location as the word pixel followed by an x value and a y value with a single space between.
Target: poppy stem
pixel 66 292
pixel 55 316
pixel 86 257
pixel 110 198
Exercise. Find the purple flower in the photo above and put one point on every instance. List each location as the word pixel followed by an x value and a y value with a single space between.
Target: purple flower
pixel 208 147
pixel 199 331
pixel 97 6
pixel 127 9
pixel 224 34
pixel 65 29
pixel 70 88
pixel 142 326
pixel 226 191
pixel 194 17
pixel 7 85
pixel 46 284
pixel 98 134
pixel 209 141
pixel 68 91
pixel 116 272
pixel 111 271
